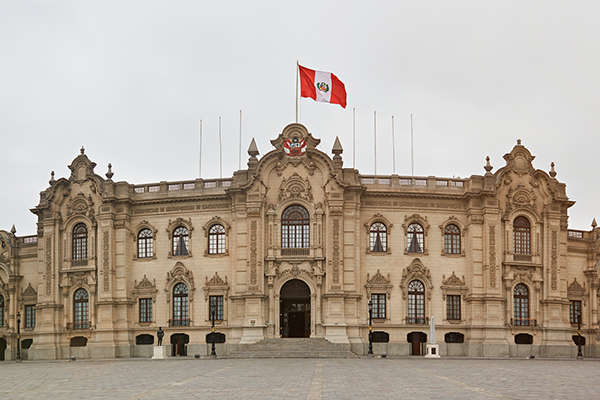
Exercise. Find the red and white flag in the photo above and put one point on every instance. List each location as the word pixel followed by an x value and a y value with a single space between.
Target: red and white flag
pixel 322 86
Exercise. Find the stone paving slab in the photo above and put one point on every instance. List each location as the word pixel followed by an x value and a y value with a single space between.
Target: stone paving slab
pixel 309 379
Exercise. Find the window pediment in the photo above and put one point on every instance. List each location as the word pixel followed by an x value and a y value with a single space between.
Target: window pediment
pixel 180 273
pixel 416 270
pixel 216 286
pixel 575 290
pixel 213 221
pixel 378 282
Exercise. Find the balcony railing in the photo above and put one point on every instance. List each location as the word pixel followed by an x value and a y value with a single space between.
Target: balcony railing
pixel 179 322
pixel 417 320
pixel 523 322
pixel 295 252
pixel 575 235
pixel 78 325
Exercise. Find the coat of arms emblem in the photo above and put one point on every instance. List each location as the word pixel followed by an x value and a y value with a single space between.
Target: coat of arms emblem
pixel 294 146
pixel 323 87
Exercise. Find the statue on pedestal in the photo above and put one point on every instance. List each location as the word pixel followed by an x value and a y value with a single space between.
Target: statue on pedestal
pixel 160 334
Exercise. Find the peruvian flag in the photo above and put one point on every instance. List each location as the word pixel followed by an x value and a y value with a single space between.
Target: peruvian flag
pixel 322 86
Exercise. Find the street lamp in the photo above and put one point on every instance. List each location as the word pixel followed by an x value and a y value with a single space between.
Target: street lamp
pixel 370 327
pixel 19 335
pixel 213 313
pixel 579 340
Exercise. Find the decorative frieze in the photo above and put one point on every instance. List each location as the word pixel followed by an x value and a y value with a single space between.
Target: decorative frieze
pixel 253 251
pixel 336 251
pixel 105 260
pixel 492 250
pixel 554 262
pixel 49 265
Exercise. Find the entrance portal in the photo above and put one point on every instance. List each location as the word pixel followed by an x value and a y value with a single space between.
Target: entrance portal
pixel 2 348
pixel 417 339
pixel 294 309
pixel 178 342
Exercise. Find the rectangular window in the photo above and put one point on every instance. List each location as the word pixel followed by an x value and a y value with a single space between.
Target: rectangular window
pixel 29 317
pixel 453 307
pixel 146 310
pixel 216 308
pixel 575 311
pixel 378 304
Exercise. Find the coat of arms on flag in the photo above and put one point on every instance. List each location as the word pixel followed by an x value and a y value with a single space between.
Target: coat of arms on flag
pixel 294 146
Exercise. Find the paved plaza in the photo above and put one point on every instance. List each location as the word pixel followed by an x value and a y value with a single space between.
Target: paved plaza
pixel 301 379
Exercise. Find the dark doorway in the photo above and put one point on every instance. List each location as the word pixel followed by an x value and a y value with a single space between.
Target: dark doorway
pixel 179 342
pixel 2 348
pixel 294 309
pixel 417 341
pixel 523 338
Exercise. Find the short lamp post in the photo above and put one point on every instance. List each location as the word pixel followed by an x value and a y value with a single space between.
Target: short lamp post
pixel 579 337
pixel 370 327
pixel 213 312
pixel 18 335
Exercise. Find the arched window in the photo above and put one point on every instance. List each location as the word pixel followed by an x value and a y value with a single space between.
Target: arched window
pixel 1 310
pixel 378 237
pixel 181 237
pixel 416 302
pixel 522 236
pixel 145 244
pixel 521 305
pixel 80 239
pixel 81 313
pixel 415 236
pixel 181 316
pixel 295 228
pixel 452 239
pixel 216 239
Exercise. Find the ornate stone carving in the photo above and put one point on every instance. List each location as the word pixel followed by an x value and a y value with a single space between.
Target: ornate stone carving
pixel 519 159
pixel 253 251
pixel 29 295
pixel 215 285
pixel 336 251
pixel 492 251
pixel 180 273
pixel 416 270
pixel 378 282
pixel 80 205
pixel 521 197
pixel 295 187
pixel 48 277
pixel 453 280
pixel 554 262
pixel 575 290
pixel 106 260
pixel 145 284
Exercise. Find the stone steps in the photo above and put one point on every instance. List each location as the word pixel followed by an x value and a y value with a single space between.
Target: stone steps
pixel 293 348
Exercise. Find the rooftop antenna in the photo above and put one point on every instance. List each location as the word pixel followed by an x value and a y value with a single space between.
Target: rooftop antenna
pixel 353 137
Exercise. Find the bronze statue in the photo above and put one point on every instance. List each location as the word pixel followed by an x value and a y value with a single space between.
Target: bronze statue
pixel 160 333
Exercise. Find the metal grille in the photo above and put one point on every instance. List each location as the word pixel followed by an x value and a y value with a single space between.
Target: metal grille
pixel 180 305
pixel 575 311
pixel 29 317
pixel 295 228
pixel 453 307
pixel 416 303
pixel 80 236
pixel 146 310
pixel 522 236
pixel 80 309
pixel 521 305
pixel 216 239
pixel 145 244
pixel 378 237
pixel 216 306
pixel 452 239
pixel 415 238
pixel 378 305
pixel 181 237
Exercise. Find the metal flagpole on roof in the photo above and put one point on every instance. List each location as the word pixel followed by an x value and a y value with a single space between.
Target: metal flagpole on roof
pixel 220 152
pixel 200 161
pixel 353 137
pixel 412 152
pixel 393 149
pixel 297 73
pixel 375 141
pixel 240 144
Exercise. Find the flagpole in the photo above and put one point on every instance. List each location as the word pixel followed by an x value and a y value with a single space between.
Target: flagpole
pixel 297 73
pixel 200 162
pixel 353 137
pixel 240 144
pixel 412 152
pixel 220 152
pixel 375 141
pixel 393 149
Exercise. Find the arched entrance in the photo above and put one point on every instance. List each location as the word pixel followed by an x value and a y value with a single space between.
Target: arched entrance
pixel 178 342
pixel 417 340
pixel 2 348
pixel 294 309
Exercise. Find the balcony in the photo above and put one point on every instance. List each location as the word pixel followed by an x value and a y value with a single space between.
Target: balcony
pixel 416 320
pixel 78 325
pixel 179 322
pixel 295 252
pixel 523 322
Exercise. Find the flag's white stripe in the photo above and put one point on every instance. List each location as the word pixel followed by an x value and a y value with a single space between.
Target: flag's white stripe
pixel 323 80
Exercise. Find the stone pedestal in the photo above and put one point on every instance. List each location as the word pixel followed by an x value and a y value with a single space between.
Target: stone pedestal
pixel 159 353
pixel 433 351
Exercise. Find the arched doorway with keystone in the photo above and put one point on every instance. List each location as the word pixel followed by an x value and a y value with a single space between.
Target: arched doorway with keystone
pixel 294 309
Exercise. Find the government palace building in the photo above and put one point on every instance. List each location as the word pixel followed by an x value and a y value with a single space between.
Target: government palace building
pixel 298 246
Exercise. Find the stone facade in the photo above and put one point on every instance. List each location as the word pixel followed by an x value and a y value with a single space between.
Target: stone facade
pixel 470 246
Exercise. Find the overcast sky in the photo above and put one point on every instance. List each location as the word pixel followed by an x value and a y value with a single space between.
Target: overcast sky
pixel 131 80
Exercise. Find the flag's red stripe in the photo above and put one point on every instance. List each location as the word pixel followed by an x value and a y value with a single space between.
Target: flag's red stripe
pixel 338 91
pixel 307 83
